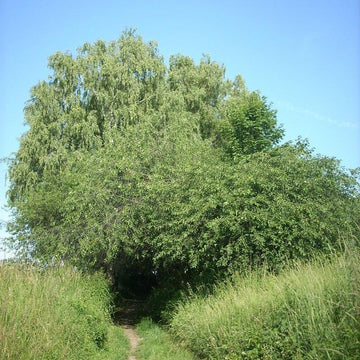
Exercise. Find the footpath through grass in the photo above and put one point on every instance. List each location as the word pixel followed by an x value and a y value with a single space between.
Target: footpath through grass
pixel 156 344
pixel 57 313
pixel 311 311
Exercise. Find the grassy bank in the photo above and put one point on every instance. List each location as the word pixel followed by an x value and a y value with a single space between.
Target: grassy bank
pixel 58 313
pixel 309 312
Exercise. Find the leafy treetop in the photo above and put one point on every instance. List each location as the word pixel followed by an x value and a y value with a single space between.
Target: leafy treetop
pixel 174 170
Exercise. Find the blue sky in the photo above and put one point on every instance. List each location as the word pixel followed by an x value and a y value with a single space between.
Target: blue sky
pixel 303 55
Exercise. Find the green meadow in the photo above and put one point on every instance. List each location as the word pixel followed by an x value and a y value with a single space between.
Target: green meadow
pixel 308 311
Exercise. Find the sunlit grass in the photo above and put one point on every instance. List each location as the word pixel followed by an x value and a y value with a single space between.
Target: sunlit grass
pixel 156 344
pixel 312 311
pixel 57 313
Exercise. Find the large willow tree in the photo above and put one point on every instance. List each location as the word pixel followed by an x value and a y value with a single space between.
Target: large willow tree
pixel 129 163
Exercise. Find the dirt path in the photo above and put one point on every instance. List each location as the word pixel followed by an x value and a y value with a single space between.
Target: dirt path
pixel 127 317
pixel 134 339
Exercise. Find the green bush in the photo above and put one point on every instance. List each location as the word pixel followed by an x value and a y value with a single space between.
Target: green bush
pixel 57 313
pixel 309 312
pixel 173 168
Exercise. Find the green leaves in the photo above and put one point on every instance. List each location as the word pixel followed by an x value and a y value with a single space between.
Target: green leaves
pixel 248 125
pixel 201 88
pixel 128 164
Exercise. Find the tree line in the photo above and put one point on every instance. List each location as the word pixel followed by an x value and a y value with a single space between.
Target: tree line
pixel 168 171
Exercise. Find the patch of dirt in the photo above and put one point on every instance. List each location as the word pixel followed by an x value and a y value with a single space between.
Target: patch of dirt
pixel 134 339
pixel 127 315
pixel 129 312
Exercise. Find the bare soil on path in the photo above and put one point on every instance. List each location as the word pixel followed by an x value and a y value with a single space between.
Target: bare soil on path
pixel 134 339
pixel 127 316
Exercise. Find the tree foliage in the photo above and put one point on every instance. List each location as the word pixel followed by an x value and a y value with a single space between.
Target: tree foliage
pixel 248 125
pixel 174 170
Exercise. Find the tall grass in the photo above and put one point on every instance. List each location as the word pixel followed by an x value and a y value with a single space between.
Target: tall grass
pixel 312 311
pixel 57 313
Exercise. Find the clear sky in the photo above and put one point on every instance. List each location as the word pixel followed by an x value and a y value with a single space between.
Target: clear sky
pixel 303 55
